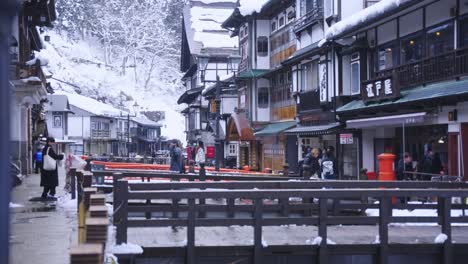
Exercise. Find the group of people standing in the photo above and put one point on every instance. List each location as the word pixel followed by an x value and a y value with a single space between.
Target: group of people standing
pixel 320 165
pixel 429 166
pixel 178 160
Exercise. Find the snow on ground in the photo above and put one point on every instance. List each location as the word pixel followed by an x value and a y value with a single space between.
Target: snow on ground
pixel 361 16
pixel 126 248
pixel 217 1
pixel 440 239
pixel 248 7
pixel 78 68
pixel 13 205
pixel 315 242
pixel 66 202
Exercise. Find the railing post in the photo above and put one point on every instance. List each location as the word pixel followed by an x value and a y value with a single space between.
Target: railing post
pixel 322 230
pixel 446 228
pixel 230 207
pixel 79 189
pixel 121 210
pixel 202 178
pixel 73 183
pixel 258 258
pixel 115 187
pixel 384 217
pixel 191 232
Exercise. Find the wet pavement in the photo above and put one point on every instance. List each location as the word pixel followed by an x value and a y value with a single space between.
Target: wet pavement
pixel 42 231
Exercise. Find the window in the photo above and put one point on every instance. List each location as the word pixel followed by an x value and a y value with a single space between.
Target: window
pixel 262 46
pixel 232 150
pixel 291 16
pixel 281 21
pixel 328 8
pixel 355 74
pixel 273 26
pixel 263 98
pixel 309 76
pixel 464 32
pixel 387 56
pixel 412 49
pixel 440 40
pixel 370 3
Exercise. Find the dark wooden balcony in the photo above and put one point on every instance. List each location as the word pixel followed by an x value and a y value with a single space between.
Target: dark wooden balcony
pixel 309 100
pixel 312 17
pixel 446 66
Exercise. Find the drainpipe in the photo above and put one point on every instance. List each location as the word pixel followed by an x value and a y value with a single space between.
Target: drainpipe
pixel 7 11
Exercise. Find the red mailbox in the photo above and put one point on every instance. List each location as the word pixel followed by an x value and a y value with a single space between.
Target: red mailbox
pixel 386 165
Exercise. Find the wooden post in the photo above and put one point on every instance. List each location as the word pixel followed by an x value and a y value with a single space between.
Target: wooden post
pixel 230 207
pixel 122 211
pixel 446 207
pixel 258 258
pixel 73 183
pixel 284 206
pixel 202 178
pixel 115 177
pixel 79 184
pixel 384 216
pixel 191 259
pixel 322 230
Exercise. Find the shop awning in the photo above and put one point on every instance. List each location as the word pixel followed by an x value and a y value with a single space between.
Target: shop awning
pixel 250 74
pixel 386 120
pixel 451 90
pixel 239 128
pixel 275 128
pixel 314 130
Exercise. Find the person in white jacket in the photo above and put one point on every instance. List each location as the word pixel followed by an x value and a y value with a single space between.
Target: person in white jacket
pixel 200 157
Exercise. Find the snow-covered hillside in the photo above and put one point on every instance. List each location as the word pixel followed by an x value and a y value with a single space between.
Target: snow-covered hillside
pixel 78 67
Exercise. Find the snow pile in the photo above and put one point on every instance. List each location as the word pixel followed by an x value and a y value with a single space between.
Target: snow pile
pixel 67 203
pixel 31 79
pixel 330 242
pixel 206 24
pixel 377 240
pixel 362 16
pixel 248 7
pixel 111 259
pixel 43 60
pixel 441 238
pixel 315 242
pixel 126 248
pixel 13 205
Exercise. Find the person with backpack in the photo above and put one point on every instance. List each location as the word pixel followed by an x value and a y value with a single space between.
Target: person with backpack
pixel 49 171
pixel 329 166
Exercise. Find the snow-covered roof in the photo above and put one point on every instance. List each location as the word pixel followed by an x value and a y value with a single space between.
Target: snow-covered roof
pixel 203 19
pixel 224 78
pixel 57 103
pixel 366 15
pixel 145 122
pixel 248 7
pixel 91 105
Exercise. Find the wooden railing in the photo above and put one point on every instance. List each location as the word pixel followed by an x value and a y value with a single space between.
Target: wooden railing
pixel 312 17
pixel 315 208
pixel 447 66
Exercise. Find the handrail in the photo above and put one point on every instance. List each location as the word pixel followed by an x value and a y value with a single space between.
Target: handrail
pixel 263 214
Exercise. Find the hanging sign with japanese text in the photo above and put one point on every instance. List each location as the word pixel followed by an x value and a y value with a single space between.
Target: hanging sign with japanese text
pixel 379 89
pixel 346 139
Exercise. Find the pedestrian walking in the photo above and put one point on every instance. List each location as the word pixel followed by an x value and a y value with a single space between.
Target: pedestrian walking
pixel 49 172
pixel 38 160
pixel 176 157
pixel 311 166
pixel 200 158
pixel 329 166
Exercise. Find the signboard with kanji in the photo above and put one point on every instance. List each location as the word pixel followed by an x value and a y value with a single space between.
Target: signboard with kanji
pixel 380 89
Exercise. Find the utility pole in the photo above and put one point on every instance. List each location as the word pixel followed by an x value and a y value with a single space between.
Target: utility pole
pixel 218 116
pixel 8 10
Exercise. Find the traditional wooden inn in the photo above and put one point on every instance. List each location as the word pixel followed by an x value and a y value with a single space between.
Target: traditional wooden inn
pixel 28 80
pixel 208 54
pixel 405 64
pixel 265 104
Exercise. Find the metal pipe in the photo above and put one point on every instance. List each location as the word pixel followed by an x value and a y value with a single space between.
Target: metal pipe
pixel 7 12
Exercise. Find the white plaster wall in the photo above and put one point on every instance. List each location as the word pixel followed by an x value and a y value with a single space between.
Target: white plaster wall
pixel 15 122
pixel 349 7
pixel 263 30
pixel 263 114
pixel 79 126
pixel 305 39
pixel 228 104
pixel 317 33
pixel 346 75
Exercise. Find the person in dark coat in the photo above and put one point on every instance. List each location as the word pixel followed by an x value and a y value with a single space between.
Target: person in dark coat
pixel 176 158
pixel 311 164
pixel 329 166
pixel 49 179
pixel 405 165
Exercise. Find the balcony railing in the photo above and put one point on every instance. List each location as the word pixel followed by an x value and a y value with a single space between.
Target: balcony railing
pixel 23 71
pixel 446 66
pixel 309 100
pixel 312 17
pixel 244 64
pixel 100 134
